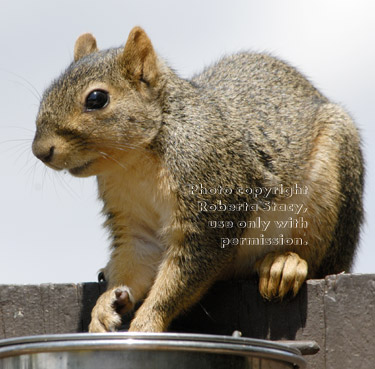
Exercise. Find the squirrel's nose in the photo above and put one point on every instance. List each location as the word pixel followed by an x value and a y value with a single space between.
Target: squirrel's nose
pixel 46 154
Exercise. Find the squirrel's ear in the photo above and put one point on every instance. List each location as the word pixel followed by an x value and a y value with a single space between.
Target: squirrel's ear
pixel 139 58
pixel 85 45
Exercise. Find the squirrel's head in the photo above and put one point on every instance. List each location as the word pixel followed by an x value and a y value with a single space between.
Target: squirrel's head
pixel 104 105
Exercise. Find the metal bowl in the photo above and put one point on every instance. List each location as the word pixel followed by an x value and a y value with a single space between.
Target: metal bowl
pixel 146 351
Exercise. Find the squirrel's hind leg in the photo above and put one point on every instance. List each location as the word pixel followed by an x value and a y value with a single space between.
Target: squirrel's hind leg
pixel 332 210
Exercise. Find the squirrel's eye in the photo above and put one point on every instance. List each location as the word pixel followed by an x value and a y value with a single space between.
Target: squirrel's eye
pixel 97 99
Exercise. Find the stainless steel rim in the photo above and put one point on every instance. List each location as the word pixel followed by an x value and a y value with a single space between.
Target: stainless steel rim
pixel 151 341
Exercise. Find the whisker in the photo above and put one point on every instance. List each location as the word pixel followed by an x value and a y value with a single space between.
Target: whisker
pixel 19 127
pixel 42 178
pixel 71 189
pixel 28 140
pixel 52 177
pixel 28 89
pixel 105 155
pixel 33 90
pixel 28 155
pixel 27 162
pixel 33 168
pixel 20 145
pixel 107 144
pixel 118 146
pixel 126 147
pixel 23 152
pixel 67 187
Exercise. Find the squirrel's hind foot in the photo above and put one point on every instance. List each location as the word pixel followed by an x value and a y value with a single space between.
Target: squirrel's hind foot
pixel 281 273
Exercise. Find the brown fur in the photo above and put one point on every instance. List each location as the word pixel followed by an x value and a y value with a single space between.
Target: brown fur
pixel 249 121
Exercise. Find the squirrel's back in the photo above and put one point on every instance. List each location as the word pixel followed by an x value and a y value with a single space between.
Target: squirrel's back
pixel 269 100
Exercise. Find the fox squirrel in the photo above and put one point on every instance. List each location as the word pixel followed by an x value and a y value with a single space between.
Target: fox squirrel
pixel 187 168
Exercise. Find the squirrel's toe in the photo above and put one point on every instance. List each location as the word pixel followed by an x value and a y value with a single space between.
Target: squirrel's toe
pixel 280 273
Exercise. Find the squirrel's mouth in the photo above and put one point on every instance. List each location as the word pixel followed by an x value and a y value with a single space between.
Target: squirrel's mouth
pixel 76 171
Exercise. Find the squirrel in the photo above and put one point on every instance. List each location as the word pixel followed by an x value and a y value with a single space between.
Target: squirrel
pixel 170 153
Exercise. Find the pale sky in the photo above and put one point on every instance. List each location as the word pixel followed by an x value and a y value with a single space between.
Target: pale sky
pixel 50 223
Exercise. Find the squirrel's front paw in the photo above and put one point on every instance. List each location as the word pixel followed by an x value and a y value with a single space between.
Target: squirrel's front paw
pixel 106 315
pixel 148 319
pixel 146 325
pixel 280 273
